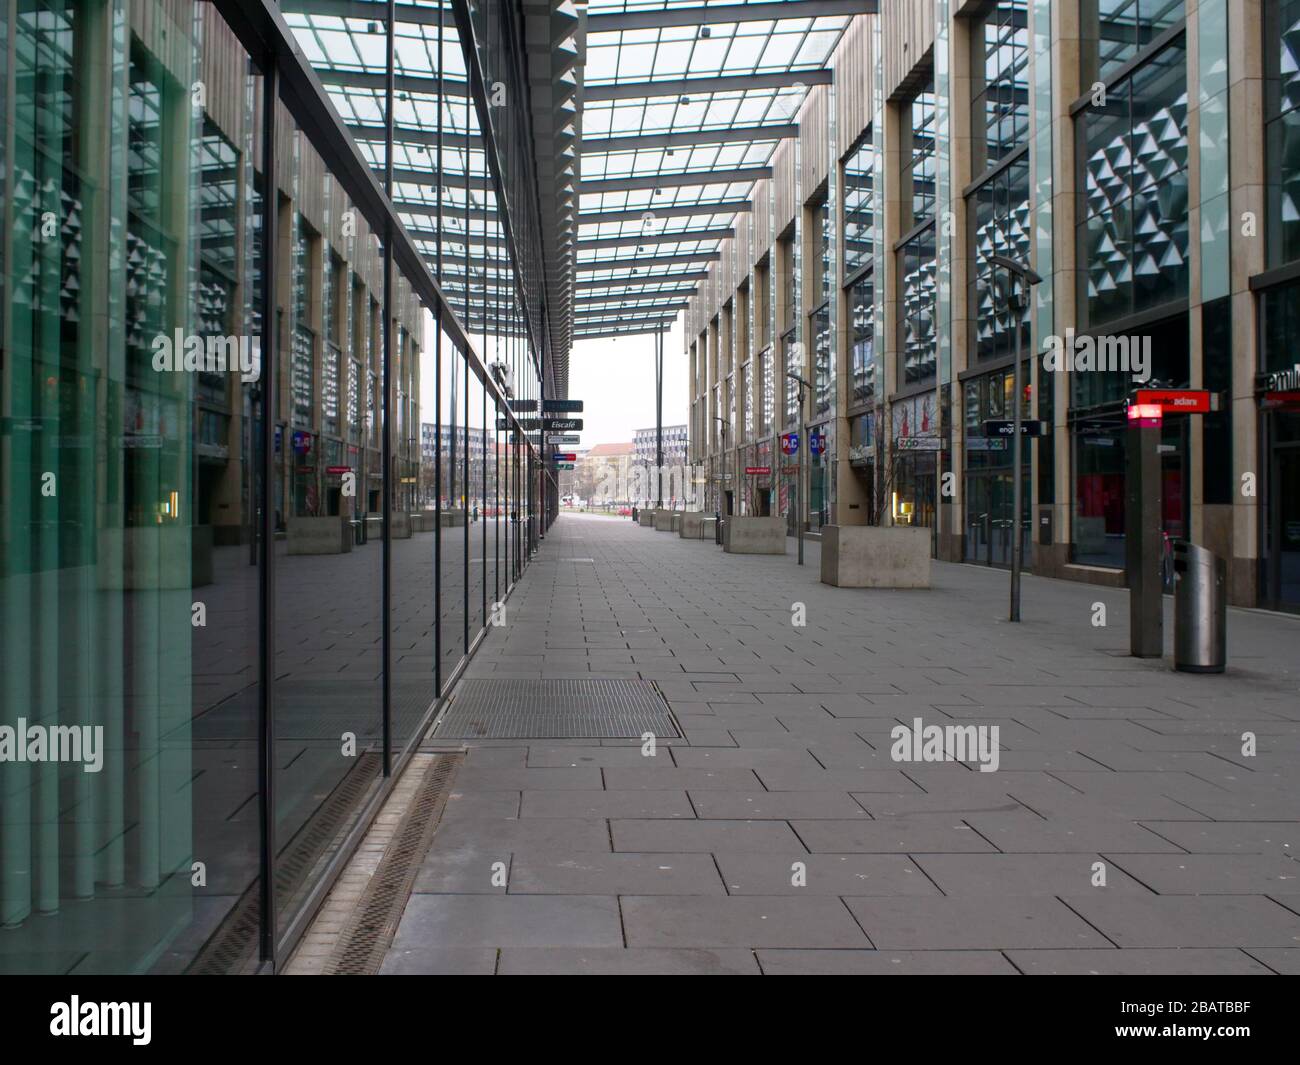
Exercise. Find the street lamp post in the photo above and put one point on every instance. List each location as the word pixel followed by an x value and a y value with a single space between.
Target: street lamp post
pixel 1025 277
pixel 800 479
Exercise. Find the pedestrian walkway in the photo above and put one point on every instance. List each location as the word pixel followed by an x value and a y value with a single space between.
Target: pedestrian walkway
pixel 1123 830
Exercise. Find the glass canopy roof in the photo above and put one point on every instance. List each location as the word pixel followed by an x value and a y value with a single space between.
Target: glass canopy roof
pixel 672 89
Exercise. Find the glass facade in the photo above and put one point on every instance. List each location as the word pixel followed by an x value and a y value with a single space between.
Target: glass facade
pixel 1133 232
pixel 197 502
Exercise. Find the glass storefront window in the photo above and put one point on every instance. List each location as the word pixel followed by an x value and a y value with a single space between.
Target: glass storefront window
pixel 1282 129
pixel 1000 89
pixel 1133 233
pixel 859 208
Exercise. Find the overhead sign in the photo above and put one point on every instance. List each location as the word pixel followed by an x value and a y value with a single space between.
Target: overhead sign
pixel 758 471
pixel 565 456
pixel 789 443
pixel 563 423
pixel 564 465
pixel 561 405
pixel 523 405
pixel 816 442
pixel 1008 428
pixel 918 443
pixel 562 438
pixel 986 443
pixel 338 469
pixel 1176 400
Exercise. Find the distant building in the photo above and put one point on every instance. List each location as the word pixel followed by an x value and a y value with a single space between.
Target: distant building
pixel 604 471
pixel 674 445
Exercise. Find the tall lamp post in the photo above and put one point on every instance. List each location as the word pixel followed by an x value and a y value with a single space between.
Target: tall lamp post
pixel 1016 302
pixel 800 480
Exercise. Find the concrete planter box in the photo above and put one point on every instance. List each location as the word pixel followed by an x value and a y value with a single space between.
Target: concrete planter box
pixel 329 535
pixel 867 556
pixel 453 518
pixel 645 518
pixel 663 521
pixel 677 521
pixel 374 527
pixel 400 525
pixel 753 536
pixel 691 525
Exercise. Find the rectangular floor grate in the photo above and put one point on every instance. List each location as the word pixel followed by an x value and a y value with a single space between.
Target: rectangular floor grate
pixel 515 708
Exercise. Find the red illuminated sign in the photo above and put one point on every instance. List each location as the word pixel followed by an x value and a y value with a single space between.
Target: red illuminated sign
pixel 758 471
pixel 1145 412
pixel 1175 400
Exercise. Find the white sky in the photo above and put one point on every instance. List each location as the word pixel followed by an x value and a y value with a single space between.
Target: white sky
pixel 615 379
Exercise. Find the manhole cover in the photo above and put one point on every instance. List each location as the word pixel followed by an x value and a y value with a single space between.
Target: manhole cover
pixel 513 708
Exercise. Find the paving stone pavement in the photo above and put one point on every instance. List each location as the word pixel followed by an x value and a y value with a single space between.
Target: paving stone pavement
pixel 778 835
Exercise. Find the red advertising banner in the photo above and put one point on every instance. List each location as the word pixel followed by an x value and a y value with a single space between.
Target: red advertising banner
pixel 1175 400
pixel 758 471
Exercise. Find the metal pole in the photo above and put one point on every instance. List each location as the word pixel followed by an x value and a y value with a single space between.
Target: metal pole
pixel 1017 459
pixel 266 526
pixel 801 478
pixel 1024 277
pixel 390 466
pixel 659 420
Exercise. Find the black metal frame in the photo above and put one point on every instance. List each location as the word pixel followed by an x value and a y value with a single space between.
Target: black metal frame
pixel 288 78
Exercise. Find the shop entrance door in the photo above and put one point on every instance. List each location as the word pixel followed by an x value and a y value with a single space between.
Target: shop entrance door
pixel 1284 558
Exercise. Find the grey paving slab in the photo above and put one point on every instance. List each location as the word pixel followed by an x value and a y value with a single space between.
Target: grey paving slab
pixel 786 758
pixel 764 837
pixel 739 922
pixel 1213 874
pixel 432 960
pixel 637 802
pixel 1018 874
pixel 776 805
pixel 581 873
pixel 971 923
pixel 509 921
pixel 824 874
pixel 1181 921
pixel 884 963
pixel 637 961
pixel 1139 962
pixel 893 835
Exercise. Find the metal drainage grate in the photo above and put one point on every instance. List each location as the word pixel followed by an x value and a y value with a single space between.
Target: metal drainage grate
pixel 369 932
pixel 513 708
pixel 233 947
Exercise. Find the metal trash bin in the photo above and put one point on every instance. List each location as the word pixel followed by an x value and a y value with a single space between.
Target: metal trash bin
pixel 718 522
pixel 1200 609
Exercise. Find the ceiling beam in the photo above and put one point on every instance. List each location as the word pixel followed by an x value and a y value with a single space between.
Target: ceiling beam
pixel 641 329
pixel 635 312
pixel 687 210
pixel 688 138
pixel 651 279
pixel 413 135
pixel 654 238
pixel 587 298
pixel 365 79
pixel 658 181
pixel 373 10
pixel 725 14
pixel 651 260
pixel 632 90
